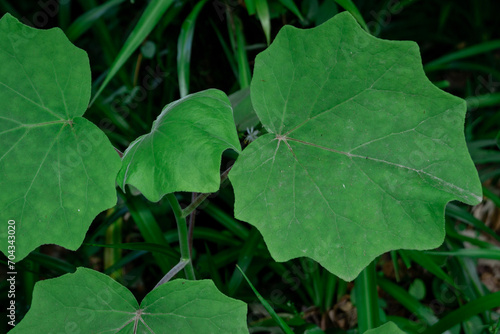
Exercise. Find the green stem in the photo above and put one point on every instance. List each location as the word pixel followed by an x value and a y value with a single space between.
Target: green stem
pixel 202 197
pixel 183 236
pixel 367 298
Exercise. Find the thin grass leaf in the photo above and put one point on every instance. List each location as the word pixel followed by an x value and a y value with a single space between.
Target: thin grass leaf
pixel 394 258
pixel 153 13
pixel 141 246
pixel 281 323
pixel 6 7
pixel 442 84
pixel 349 6
pixel 330 284
pixel 452 233
pixel 184 46
pixel 482 101
pixel 85 21
pixel 208 234
pixel 472 308
pixel 106 42
pixel 125 260
pixel 469 66
pixel 113 255
pixel 462 215
pixel 478 253
pixel 264 18
pixel 64 14
pixel 213 272
pixel 236 227
pixel 245 257
pixel 150 231
pixel 426 262
pixel 291 6
pixel 240 52
pixel 52 263
pixel 492 196
pixel 227 51
pixel 465 53
pixel 410 303
pixel 250 4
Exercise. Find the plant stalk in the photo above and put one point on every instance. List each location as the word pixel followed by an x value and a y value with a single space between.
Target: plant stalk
pixel 367 298
pixel 202 197
pixel 183 236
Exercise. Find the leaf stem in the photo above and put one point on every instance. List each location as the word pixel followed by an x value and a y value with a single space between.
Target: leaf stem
pixel 174 271
pixel 183 236
pixel 202 197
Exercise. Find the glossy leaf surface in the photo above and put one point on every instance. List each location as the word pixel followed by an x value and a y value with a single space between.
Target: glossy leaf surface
pixel 362 154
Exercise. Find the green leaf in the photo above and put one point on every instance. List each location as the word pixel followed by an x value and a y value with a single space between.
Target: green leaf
pixel 417 289
pixel 363 151
pixel 90 302
pixel 149 19
pixel 183 150
pixel 57 169
pixel 387 328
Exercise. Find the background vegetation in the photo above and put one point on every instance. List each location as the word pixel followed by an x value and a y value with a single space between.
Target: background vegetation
pixel 212 44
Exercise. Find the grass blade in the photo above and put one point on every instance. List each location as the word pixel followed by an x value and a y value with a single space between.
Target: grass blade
pixel 290 5
pixel 264 17
pixel 226 220
pixel 86 20
pixel 184 45
pixel 351 8
pixel 226 49
pixel 365 287
pixel 150 231
pixel 281 323
pixel 426 262
pixel 493 254
pixel 464 216
pixel 239 47
pixel 154 11
pixel 245 258
pixel 481 101
pixel 465 53
pixel 141 246
pixel 250 4
pixel 410 303
pixel 477 306
pixel 49 262
pixel 113 236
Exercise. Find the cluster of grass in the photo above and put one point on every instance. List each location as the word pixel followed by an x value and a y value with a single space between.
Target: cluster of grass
pixel 144 55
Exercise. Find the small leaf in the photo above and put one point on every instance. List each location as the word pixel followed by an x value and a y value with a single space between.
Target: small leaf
pixel 363 151
pixel 417 289
pixel 90 302
pixel 57 169
pixel 387 328
pixel 183 150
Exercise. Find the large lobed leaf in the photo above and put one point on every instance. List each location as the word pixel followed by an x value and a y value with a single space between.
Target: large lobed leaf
pixel 91 302
pixel 57 170
pixel 387 328
pixel 183 150
pixel 363 151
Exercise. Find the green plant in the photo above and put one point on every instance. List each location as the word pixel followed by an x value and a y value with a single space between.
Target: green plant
pixel 406 168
